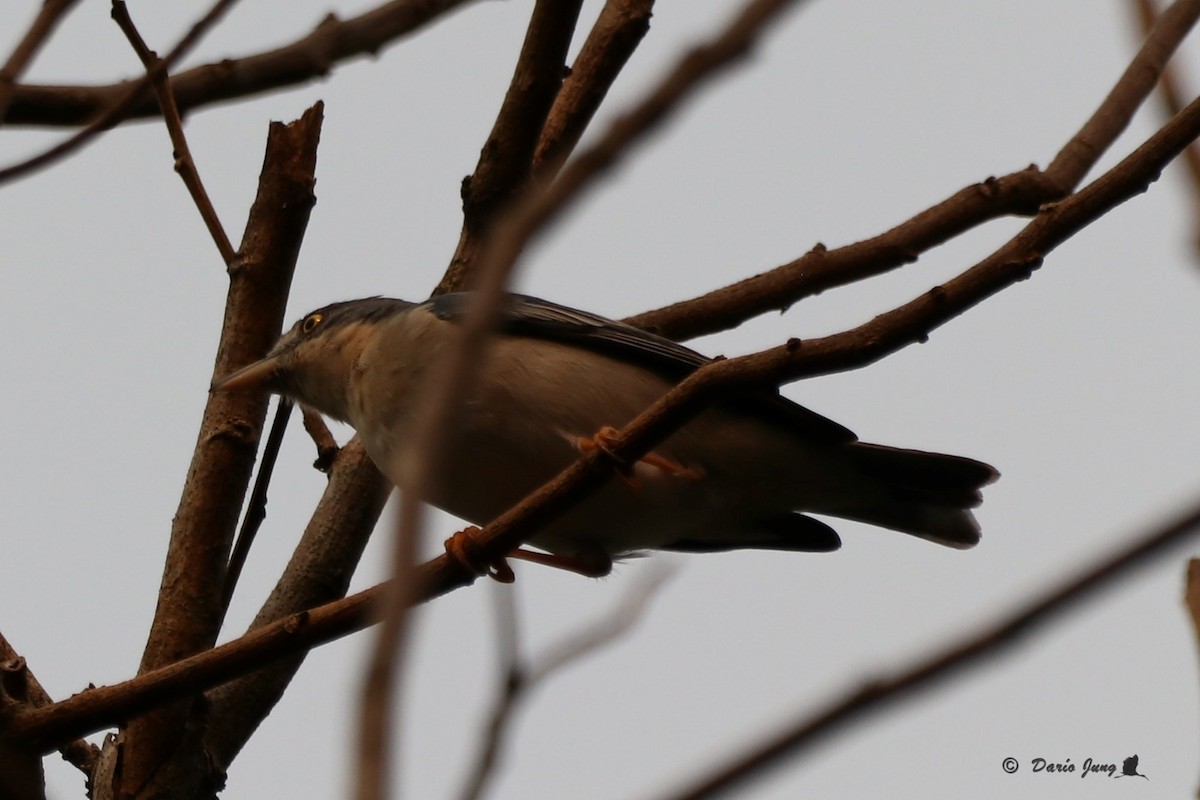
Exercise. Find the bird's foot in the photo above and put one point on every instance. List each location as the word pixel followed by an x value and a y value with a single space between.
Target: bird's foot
pixel 602 441
pixel 464 548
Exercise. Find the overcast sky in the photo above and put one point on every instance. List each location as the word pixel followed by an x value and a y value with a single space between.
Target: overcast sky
pixel 1079 385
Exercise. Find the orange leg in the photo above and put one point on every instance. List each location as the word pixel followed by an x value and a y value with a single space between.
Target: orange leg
pixel 464 548
pixel 589 568
pixel 604 437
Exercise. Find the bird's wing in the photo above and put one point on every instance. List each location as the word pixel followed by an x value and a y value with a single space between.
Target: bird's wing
pixel 541 319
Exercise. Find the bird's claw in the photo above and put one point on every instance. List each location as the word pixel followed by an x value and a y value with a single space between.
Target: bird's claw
pixel 603 440
pixel 464 548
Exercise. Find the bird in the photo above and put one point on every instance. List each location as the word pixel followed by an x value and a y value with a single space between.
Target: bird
pixel 555 382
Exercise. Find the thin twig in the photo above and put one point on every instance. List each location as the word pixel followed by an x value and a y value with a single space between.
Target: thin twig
pixel 51 13
pixel 185 165
pixel 523 678
pixel 970 651
pixel 1191 596
pixel 1136 83
pixel 819 270
pixel 318 431
pixel 116 112
pixel 256 507
pixel 311 57
pixel 542 203
pixel 1174 99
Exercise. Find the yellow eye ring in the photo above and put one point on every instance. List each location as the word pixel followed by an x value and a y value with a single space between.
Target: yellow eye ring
pixel 311 322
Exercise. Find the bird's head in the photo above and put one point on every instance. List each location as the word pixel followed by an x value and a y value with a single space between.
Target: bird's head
pixel 312 363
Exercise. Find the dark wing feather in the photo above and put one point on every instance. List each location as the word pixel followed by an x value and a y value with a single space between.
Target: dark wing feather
pixel 541 319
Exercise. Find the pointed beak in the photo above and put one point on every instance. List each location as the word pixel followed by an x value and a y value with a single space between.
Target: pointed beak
pixel 252 377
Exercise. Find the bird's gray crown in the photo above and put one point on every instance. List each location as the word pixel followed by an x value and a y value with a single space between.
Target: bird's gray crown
pixel 367 310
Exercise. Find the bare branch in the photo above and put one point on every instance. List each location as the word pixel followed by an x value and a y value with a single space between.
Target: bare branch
pixel 51 13
pixel 98 708
pixel 21 774
pixel 1019 193
pixel 523 679
pixel 613 38
pixel 1080 154
pixel 256 509
pixel 506 160
pixel 319 571
pixel 185 165
pixel 971 651
pixel 543 203
pixel 819 269
pixel 503 168
pixel 1174 99
pixel 114 113
pixel 189 612
pixel 304 60
pixel 78 752
pixel 318 431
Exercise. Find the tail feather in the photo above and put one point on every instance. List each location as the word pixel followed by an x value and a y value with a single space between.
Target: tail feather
pixel 928 494
pixel 789 532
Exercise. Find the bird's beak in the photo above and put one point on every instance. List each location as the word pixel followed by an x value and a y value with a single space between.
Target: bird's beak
pixel 256 376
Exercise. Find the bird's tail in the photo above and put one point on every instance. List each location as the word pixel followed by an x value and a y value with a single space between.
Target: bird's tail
pixel 929 495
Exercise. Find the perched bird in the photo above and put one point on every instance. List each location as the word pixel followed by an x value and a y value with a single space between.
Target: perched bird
pixel 554 380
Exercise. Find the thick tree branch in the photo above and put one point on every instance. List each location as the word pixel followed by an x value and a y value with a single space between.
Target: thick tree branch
pixel 304 60
pixel 21 773
pixel 190 610
pixel 78 752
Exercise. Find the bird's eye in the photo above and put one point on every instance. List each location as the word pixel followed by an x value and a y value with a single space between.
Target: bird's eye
pixel 311 322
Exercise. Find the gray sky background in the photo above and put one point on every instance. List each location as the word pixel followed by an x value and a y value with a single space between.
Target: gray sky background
pixel 1079 385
